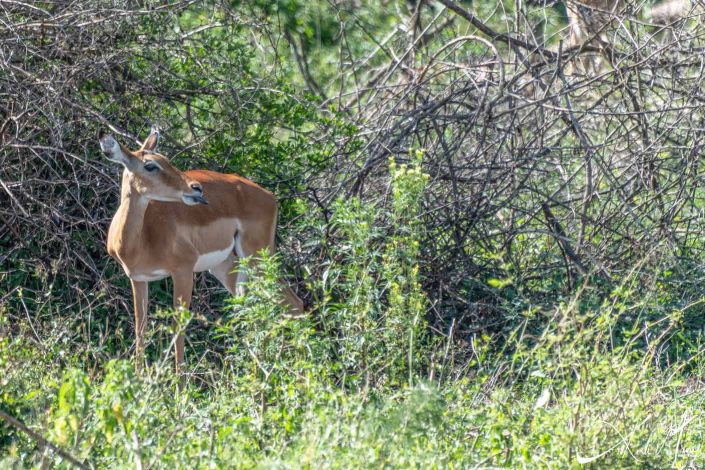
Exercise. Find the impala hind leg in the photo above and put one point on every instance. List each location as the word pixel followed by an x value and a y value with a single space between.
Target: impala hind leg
pixel 226 273
pixel 183 288
pixel 296 305
pixel 247 245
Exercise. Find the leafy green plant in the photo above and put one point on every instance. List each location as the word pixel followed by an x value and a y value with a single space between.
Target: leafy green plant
pixel 278 358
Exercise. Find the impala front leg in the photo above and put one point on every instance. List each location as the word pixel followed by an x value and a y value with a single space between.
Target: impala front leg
pixel 183 287
pixel 139 296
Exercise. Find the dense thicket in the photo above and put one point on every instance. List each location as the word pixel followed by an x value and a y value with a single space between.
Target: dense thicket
pixel 469 212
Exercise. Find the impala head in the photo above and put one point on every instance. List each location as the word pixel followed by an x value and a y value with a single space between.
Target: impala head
pixel 151 174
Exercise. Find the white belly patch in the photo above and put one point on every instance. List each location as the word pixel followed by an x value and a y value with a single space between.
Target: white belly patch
pixel 152 276
pixel 210 260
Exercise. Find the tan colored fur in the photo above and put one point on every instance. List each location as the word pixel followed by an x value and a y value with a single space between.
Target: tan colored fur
pixel 590 21
pixel 670 11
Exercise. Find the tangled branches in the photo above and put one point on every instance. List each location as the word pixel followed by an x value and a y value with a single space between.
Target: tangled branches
pixel 542 175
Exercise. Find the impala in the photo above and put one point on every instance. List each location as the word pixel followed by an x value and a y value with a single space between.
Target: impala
pixel 592 21
pixel 174 223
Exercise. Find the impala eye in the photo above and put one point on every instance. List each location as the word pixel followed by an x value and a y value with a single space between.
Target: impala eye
pixel 150 166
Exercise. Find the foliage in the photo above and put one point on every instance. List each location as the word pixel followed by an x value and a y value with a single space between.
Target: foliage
pixel 500 249
pixel 565 399
pixel 351 384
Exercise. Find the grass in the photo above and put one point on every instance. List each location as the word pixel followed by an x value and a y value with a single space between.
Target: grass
pixel 598 379
pixel 585 391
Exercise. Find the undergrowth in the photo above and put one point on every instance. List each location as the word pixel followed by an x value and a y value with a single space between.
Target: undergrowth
pixel 362 381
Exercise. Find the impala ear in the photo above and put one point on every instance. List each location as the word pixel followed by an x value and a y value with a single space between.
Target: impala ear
pixel 150 145
pixel 113 150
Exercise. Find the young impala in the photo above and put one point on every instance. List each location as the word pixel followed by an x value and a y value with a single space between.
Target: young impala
pixel 174 223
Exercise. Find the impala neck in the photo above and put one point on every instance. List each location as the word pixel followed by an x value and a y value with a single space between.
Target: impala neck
pixel 130 216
